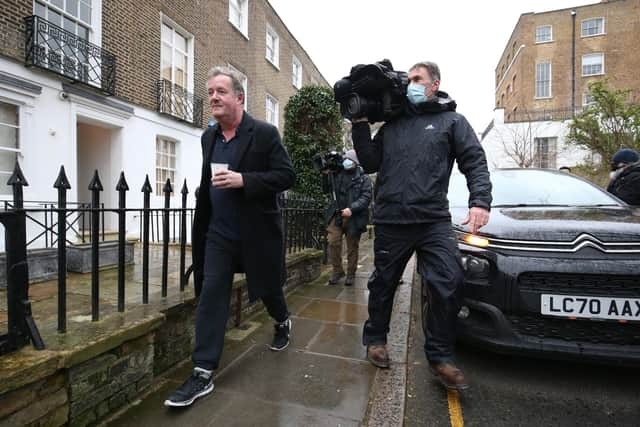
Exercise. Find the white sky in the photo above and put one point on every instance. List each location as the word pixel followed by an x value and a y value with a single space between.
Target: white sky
pixel 465 38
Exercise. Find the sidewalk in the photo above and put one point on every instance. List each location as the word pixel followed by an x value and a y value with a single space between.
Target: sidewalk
pixel 321 379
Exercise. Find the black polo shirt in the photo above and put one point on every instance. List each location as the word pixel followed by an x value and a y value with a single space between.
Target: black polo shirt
pixel 224 202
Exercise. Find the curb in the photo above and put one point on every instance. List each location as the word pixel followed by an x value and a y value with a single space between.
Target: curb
pixel 388 391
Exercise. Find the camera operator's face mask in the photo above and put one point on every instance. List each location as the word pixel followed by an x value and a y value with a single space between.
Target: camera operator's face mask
pixel 415 93
pixel 348 164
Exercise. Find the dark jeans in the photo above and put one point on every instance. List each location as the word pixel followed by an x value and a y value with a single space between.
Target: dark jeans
pixel 440 265
pixel 221 259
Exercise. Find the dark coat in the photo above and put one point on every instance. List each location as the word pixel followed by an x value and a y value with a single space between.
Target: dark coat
pixel 626 186
pixel 266 171
pixel 414 155
pixel 353 191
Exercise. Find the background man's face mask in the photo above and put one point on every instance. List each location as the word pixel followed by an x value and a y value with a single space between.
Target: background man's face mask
pixel 415 93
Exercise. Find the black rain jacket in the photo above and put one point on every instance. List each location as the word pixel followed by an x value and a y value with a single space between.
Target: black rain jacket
pixel 626 186
pixel 413 155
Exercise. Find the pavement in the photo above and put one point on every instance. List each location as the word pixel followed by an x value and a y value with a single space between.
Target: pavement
pixel 321 379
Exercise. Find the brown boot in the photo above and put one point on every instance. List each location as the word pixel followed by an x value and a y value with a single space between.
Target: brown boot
pixel 450 376
pixel 377 354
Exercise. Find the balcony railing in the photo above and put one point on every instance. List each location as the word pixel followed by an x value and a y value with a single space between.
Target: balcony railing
pixel 54 49
pixel 177 102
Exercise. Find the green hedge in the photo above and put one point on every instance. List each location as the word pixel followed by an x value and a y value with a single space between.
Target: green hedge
pixel 313 125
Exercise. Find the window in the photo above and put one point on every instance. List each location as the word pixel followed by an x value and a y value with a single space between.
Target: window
pixel 543 34
pixel 72 15
pixel 64 55
pixel 592 27
pixel 9 143
pixel 245 84
pixel 545 152
pixel 176 63
pixel 543 80
pixel 273 46
pixel 297 73
pixel 165 163
pixel 272 110
pixel 238 15
pixel 174 56
pixel 513 84
pixel 587 100
pixel 593 64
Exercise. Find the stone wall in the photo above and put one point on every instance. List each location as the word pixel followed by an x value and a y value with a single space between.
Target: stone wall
pixel 90 372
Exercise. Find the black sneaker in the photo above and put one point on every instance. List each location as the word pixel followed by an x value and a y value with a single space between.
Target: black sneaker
pixel 335 278
pixel 281 336
pixel 350 280
pixel 197 385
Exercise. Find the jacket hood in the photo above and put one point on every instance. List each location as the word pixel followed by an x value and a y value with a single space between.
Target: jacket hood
pixel 440 103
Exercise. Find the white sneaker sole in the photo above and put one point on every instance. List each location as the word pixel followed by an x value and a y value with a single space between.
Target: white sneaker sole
pixel 204 392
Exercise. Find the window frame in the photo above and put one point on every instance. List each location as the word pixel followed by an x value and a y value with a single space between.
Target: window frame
pixel 550 80
pixel 245 85
pixel 168 169
pixel 550 40
pixel 6 190
pixel 242 8
pixel 592 55
pixel 275 61
pixel 275 111
pixel 585 100
pixel 582 23
pixel 296 77
pixel 548 159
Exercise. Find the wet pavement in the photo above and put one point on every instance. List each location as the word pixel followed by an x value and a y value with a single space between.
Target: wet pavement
pixel 321 379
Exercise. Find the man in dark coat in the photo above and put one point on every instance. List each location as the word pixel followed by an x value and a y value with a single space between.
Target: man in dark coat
pixel 413 155
pixel 237 226
pixel 347 215
pixel 625 176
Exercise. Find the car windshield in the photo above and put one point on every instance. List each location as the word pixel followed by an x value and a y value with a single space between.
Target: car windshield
pixel 533 187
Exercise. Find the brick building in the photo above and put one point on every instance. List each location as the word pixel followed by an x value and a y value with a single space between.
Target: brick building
pixel 551 57
pixel 120 85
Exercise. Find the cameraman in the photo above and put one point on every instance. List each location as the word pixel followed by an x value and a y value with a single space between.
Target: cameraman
pixel 348 214
pixel 413 155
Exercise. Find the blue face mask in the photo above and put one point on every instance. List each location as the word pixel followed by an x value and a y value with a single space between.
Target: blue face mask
pixel 348 163
pixel 415 93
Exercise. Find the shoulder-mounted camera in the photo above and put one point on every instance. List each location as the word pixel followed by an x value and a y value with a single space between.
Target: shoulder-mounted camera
pixel 374 91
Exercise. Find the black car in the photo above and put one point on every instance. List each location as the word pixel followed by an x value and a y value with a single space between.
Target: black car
pixel 555 272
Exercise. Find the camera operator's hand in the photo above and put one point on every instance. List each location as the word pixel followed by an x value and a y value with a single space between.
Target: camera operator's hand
pixel 477 218
pixel 346 213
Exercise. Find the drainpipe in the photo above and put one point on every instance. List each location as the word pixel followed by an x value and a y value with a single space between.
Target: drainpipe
pixel 573 63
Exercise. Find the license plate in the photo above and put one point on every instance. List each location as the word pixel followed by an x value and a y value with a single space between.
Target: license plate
pixel 590 307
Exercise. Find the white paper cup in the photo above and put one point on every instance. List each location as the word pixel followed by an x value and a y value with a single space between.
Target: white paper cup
pixel 217 167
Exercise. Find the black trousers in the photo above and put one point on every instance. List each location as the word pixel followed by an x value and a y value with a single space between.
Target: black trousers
pixel 222 258
pixel 440 265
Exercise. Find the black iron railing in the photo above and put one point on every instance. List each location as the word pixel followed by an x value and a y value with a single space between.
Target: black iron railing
pixel 43 215
pixel 177 102
pixel 303 225
pixel 57 50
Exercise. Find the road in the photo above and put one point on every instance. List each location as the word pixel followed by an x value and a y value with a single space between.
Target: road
pixel 518 391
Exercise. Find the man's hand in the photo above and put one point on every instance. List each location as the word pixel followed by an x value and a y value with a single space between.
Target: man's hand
pixel 477 218
pixel 227 179
pixel 346 213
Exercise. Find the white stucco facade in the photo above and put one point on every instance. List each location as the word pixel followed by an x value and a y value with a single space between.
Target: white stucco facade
pixel 501 135
pixel 83 133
